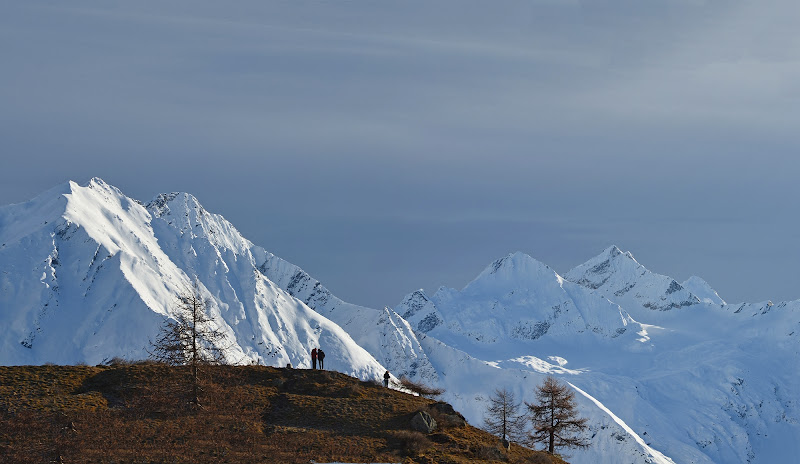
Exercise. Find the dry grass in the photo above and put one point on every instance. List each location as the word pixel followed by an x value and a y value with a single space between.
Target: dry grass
pixel 131 412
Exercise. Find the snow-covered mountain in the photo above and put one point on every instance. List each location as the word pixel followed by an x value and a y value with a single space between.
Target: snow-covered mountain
pixel 514 301
pixel 89 274
pixel 697 380
pixel 619 277
pixel 666 372
pixel 717 376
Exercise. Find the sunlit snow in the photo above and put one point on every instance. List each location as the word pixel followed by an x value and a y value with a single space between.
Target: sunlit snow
pixel 664 374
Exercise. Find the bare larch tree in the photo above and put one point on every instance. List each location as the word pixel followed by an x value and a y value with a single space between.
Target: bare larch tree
pixel 190 339
pixel 555 417
pixel 503 417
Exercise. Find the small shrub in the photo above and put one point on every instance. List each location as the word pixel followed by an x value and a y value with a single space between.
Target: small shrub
pixel 412 442
pixel 420 388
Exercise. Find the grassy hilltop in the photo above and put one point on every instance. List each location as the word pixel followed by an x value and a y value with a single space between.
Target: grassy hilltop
pixel 139 414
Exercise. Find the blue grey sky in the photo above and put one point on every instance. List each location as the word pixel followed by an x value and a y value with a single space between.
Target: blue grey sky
pixel 391 146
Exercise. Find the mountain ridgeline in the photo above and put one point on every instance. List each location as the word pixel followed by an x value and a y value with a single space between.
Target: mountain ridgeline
pixel 665 371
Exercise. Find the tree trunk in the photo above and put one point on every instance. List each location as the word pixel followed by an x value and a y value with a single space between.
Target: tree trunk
pixel 505 434
pixel 195 398
pixel 552 447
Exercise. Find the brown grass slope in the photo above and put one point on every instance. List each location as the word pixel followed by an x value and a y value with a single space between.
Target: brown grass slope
pixel 140 414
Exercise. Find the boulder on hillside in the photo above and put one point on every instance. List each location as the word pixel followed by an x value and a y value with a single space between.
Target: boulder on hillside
pixel 423 422
pixel 445 414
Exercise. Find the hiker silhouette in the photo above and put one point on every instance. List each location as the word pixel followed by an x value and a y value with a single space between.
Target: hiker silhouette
pixel 321 358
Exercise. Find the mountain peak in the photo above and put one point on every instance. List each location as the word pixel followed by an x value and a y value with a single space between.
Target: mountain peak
pixel 701 289
pixel 515 262
pixel 96 181
pixel 418 294
pixel 419 311
pixel 513 270
pixel 617 275
pixel 595 272
pixel 415 300
pixel 56 194
pixel 95 184
pixel 613 252
pixel 165 204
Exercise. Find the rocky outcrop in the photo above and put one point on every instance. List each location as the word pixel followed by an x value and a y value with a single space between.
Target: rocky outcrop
pixel 423 422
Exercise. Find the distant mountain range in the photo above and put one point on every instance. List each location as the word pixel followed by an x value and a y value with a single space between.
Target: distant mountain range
pixel 665 371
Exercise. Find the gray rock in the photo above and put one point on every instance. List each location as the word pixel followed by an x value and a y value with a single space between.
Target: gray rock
pixel 447 415
pixel 442 408
pixel 423 422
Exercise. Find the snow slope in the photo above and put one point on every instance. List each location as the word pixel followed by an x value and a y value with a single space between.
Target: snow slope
pixel 700 288
pixel 469 382
pixel 382 332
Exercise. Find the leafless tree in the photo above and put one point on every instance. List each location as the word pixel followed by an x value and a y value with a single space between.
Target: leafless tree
pixel 190 339
pixel 503 417
pixel 555 417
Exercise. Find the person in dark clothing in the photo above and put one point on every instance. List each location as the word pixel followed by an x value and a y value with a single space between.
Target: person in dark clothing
pixel 314 358
pixel 386 379
pixel 321 358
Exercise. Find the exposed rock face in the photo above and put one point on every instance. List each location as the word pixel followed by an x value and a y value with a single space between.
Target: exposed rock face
pixel 420 312
pixel 449 416
pixel 423 422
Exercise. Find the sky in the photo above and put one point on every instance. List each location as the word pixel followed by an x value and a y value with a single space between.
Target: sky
pixel 390 146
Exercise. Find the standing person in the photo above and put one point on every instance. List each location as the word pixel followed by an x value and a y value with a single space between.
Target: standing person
pixel 386 379
pixel 321 358
pixel 314 358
